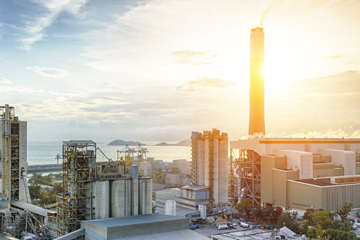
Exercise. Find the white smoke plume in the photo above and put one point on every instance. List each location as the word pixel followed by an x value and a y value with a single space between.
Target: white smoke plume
pixel 272 4
pixel 312 134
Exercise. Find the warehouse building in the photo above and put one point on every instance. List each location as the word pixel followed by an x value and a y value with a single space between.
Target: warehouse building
pixel 298 173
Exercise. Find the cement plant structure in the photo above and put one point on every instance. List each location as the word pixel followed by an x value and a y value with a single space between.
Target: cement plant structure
pixel 210 163
pixel 98 190
pixel 13 154
pixel 290 172
pixel 18 217
pixel 298 173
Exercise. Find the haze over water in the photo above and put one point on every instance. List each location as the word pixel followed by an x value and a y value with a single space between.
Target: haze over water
pixel 44 152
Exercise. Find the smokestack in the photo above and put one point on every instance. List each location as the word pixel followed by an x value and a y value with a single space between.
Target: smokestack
pixel 256 120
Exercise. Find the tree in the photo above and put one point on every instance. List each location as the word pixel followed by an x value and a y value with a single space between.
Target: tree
pixel 308 215
pixel 288 219
pixel 341 234
pixel 344 211
pixel 244 207
pixel 318 224
pixel 258 212
pixel 34 191
pixel 322 218
pixel 57 188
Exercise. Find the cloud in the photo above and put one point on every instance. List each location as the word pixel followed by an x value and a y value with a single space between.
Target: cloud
pixel 187 56
pixel 50 72
pixel 335 56
pixel 35 28
pixel 4 81
pixel 205 84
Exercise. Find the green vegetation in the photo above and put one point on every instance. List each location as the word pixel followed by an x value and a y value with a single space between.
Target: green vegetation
pixel 244 207
pixel 289 220
pixel 266 213
pixel 318 224
pixel 45 195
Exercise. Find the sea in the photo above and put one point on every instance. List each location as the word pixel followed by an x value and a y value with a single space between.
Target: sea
pixel 44 152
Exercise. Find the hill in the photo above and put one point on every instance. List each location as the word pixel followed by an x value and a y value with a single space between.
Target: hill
pixel 119 142
pixel 181 143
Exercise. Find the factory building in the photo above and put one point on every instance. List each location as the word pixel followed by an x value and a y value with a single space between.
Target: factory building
pixel 149 226
pixel 297 173
pixel 98 190
pixel 257 119
pixel 166 174
pixel 210 163
pixel 13 154
pixel 16 210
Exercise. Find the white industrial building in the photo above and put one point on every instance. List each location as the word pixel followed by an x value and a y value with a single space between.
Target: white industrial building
pixel 299 173
pixel 210 163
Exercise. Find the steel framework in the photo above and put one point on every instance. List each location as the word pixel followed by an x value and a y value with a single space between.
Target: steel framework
pixel 79 170
pixel 15 164
pixel 247 165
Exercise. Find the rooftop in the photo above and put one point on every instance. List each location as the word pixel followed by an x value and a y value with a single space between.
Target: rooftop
pixel 196 188
pixel 127 221
pixel 314 182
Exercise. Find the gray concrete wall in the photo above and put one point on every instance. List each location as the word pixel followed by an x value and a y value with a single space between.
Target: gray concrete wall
pixel 118 198
pixel 22 158
pixel 279 182
pixel 145 197
pixel 135 197
pixel 216 171
pixel 223 168
pixel 102 199
pixel 200 167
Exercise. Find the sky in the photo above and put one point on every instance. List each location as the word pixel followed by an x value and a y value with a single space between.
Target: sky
pixel 156 70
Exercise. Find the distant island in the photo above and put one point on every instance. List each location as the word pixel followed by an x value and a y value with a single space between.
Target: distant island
pixel 119 142
pixel 186 143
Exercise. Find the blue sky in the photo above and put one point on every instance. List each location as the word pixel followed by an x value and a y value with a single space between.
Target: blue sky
pixel 158 69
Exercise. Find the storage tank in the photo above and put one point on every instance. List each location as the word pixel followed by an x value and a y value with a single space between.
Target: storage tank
pixel 145 197
pixel 118 199
pixel 102 199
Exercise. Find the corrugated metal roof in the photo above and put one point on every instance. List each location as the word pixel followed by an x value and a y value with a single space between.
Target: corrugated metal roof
pixel 196 188
pixel 125 221
pixel 173 235
pixel 30 207
pixel 287 231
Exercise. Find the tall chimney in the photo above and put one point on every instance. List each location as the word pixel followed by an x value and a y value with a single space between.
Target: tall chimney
pixel 256 120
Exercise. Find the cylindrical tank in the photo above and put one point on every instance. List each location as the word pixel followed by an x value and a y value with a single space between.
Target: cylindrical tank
pixel 118 199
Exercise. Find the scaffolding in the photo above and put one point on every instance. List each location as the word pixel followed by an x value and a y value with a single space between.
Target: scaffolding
pixel 15 164
pixel 79 170
pixel 245 175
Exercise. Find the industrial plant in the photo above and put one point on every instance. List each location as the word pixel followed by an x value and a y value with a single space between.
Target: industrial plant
pixel 140 196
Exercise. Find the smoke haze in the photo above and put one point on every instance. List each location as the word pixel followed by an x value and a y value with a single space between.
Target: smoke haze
pixel 272 4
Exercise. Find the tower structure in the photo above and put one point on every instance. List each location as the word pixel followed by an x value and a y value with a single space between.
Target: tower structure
pixel 210 163
pixel 79 171
pixel 13 154
pixel 256 119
